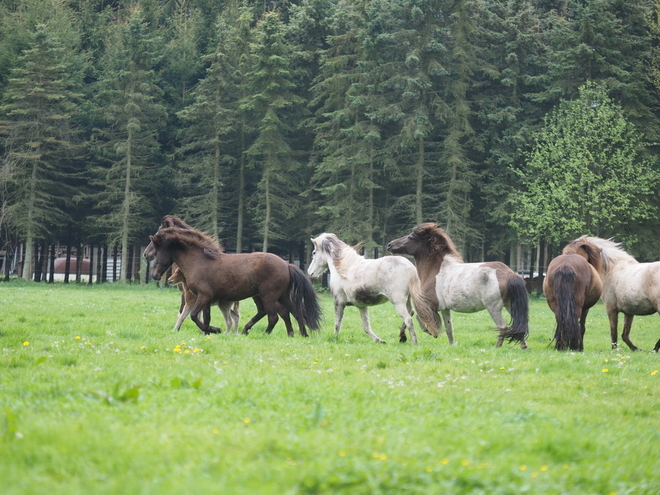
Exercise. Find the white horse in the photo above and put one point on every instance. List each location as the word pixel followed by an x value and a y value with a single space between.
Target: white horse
pixel 465 287
pixel 629 287
pixel 357 281
pixel 229 309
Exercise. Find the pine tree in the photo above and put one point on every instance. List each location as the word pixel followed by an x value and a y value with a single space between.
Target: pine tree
pixel 213 120
pixel 39 111
pixel 130 117
pixel 270 103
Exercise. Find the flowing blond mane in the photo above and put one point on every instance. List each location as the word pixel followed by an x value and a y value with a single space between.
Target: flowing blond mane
pixel 611 253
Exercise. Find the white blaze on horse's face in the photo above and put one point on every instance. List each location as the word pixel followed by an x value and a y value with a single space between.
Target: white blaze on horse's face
pixel 319 262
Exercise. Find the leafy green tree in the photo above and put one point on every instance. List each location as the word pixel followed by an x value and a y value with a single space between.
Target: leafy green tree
pixel 41 104
pixel 130 115
pixel 587 174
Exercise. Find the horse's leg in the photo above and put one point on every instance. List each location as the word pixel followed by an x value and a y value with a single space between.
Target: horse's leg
pixel 446 317
pixel 403 309
pixel 260 314
pixel 236 316
pixel 613 316
pixel 183 314
pixel 339 316
pixel 225 309
pixel 625 335
pixel 202 303
pixel 583 328
pixel 502 327
pixel 286 316
pixel 366 325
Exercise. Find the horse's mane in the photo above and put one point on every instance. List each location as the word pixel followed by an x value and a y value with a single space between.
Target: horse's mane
pixel 173 221
pixel 339 252
pixel 174 236
pixel 438 244
pixel 605 252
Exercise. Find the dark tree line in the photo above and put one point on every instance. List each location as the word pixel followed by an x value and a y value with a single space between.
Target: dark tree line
pixel 266 123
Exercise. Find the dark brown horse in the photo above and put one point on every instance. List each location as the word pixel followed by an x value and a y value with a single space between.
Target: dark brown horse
pixel 571 287
pixel 214 275
pixel 465 287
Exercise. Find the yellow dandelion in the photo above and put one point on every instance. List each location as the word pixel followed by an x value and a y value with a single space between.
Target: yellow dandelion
pixel 523 468
pixel 465 462
pixel 605 370
pixel 216 431
pixel 375 455
pixel 78 337
pixel 654 373
pixel 196 350
pixel 246 421
pixel 501 367
pixel 544 468
pixel 143 347
pixel 383 457
pixel 187 351
pixel 429 469
pixel 26 343
pixel 565 466
pixel 342 453
pixel 444 461
pixel 534 475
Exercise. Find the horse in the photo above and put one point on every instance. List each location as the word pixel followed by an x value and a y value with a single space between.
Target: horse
pixel 360 282
pixel 230 309
pixel 453 285
pixel 214 275
pixel 629 287
pixel 571 287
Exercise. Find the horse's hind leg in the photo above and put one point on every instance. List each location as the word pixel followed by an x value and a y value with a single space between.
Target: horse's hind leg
pixel 366 325
pixel 625 335
pixel 260 314
pixel 613 316
pixel 404 311
pixel 202 304
pixel 449 328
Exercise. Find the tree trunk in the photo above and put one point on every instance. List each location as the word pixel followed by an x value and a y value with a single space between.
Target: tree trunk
pixel 127 207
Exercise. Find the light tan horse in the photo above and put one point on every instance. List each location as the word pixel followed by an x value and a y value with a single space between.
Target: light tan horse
pixel 571 287
pixel 465 287
pixel 629 287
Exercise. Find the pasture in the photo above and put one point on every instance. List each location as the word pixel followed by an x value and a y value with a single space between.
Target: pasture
pixel 97 395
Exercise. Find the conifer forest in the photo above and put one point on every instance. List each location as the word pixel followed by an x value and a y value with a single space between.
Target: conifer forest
pixel 516 125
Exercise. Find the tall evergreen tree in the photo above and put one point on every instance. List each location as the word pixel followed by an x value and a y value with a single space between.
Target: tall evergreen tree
pixel 212 122
pixel 131 116
pixel 39 111
pixel 271 103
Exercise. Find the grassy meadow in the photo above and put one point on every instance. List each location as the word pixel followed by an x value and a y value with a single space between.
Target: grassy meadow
pixel 97 395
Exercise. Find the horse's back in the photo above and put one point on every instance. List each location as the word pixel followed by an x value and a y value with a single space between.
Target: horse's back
pixel 633 288
pixel 471 287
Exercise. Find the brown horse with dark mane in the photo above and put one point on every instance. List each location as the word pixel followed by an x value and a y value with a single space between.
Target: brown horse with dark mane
pixel 571 287
pixel 465 287
pixel 214 275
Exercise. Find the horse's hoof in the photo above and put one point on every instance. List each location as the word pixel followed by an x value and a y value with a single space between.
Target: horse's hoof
pixel 381 342
pixel 403 339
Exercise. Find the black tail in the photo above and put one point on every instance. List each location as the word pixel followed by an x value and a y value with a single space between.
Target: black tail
pixel 519 310
pixel 568 334
pixel 305 301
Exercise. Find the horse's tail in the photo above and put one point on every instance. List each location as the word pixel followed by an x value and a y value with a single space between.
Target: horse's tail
pixel 519 328
pixel 568 334
pixel 427 315
pixel 305 301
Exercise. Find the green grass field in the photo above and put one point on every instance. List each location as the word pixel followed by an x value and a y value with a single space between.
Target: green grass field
pixel 97 396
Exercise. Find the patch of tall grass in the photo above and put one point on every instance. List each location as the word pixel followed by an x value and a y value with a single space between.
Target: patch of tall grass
pixel 99 396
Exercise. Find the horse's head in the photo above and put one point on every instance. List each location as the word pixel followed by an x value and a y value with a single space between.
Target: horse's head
pixel 149 252
pixel 426 239
pixel 588 250
pixel 160 256
pixel 176 277
pixel 320 256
